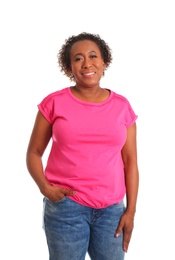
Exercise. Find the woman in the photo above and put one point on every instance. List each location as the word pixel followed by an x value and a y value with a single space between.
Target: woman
pixel 92 163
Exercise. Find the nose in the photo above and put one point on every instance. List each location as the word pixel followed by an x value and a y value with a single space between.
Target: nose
pixel 86 64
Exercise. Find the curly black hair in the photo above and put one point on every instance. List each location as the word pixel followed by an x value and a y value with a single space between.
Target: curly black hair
pixel 64 53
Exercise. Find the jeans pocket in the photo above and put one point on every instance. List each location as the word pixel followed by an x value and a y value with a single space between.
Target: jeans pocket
pixel 58 201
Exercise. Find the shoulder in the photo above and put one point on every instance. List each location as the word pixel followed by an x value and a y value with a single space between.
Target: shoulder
pixel 119 98
pixel 54 96
pixel 124 105
pixel 49 105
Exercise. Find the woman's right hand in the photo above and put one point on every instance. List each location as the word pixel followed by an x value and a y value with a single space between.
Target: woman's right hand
pixel 56 193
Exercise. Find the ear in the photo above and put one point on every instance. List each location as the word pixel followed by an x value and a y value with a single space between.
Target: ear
pixel 70 71
pixel 104 68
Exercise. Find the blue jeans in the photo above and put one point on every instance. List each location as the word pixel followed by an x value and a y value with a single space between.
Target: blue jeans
pixel 72 230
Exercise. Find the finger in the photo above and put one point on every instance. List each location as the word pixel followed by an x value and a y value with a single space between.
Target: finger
pixel 69 192
pixel 126 245
pixel 119 230
pixel 126 239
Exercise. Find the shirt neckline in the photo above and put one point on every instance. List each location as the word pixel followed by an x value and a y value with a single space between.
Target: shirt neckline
pixel 87 102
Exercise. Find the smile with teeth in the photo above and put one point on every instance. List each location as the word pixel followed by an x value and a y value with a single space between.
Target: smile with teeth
pixel 89 74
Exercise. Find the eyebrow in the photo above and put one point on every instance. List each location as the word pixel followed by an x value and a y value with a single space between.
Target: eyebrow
pixel 79 53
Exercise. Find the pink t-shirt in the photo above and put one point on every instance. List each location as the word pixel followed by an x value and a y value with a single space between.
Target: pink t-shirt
pixel 86 146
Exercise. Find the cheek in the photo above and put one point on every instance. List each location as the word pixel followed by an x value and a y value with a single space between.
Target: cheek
pixel 101 66
pixel 75 68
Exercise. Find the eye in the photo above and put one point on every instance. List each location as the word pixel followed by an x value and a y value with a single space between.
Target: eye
pixel 78 58
pixel 93 56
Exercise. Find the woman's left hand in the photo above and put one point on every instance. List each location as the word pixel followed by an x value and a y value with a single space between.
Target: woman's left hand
pixel 126 225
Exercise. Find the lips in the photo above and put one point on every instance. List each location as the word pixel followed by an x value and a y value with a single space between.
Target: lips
pixel 89 74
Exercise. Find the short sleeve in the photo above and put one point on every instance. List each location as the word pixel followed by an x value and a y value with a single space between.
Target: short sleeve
pixel 46 107
pixel 130 116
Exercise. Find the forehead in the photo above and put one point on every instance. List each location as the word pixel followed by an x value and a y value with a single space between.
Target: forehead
pixel 84 46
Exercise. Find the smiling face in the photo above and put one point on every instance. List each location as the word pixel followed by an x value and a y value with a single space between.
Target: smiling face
pixel 87 64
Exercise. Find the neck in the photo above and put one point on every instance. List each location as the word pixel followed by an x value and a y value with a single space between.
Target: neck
pixel 96 95
pixel 88 92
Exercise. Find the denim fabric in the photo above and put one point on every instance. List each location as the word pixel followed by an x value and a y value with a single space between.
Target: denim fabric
pixel 72 230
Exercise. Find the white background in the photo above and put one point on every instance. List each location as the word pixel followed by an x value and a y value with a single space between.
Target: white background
pixel 141 35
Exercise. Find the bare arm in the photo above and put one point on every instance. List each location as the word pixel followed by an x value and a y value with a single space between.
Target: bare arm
pixel 40 137
pixel 129 155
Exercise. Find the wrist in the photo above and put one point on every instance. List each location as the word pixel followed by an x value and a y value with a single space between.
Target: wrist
pixel 44 188
pixel 130 211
